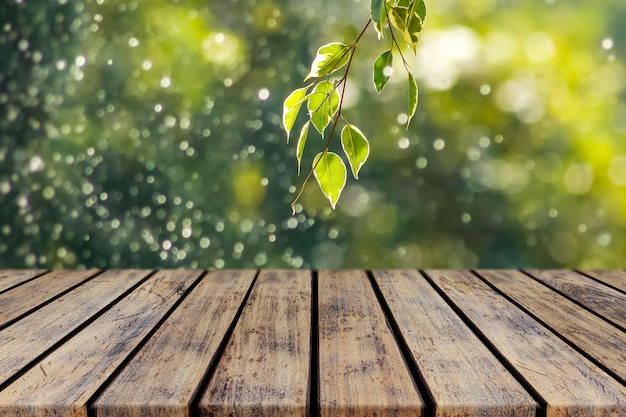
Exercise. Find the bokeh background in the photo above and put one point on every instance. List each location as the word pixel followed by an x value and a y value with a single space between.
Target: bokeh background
pixel 147 133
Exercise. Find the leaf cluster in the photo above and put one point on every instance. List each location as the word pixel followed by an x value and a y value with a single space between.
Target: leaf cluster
pixel 403 19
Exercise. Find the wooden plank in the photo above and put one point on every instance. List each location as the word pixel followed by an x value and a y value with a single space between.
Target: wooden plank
pixel 162 379
pixel 62 383
pixel 606 301
pixel 265 367
pixel 462 375
pixel 12 277
pixel 20 300
pixel 22 342
pixel 569 383
pixel 590 333
pixel 361 369
pixel 615 278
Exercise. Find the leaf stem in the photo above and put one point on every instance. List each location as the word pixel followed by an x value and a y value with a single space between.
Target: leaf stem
pixel 395 42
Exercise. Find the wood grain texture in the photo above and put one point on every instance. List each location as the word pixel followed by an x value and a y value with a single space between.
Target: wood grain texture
pixel 162 379
pixel 23 341
pixel 24 298
pixel 61 384
pixel 12 277
pixel 361 369
pixel 593 335
pixel 570 384
pixel 606 301
pixel 615 278
pixel 265 367
pixel 463 376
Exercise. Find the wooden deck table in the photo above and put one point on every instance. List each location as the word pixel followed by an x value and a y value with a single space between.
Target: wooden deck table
pixel 449 343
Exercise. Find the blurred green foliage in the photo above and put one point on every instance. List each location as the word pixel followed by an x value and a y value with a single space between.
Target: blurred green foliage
pixel 148 133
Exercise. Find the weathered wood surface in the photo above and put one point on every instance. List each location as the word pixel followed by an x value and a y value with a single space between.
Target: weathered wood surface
pixel 26 297
pixel 463 376
pixel 12 277
pixel 361 370
pixel 615 278
pixel 162 379
pixel 63 382
pixel 265 368
pixel 607 302
pixel 30 337
pixel 596 337
pixel 295 343
pixel 570 384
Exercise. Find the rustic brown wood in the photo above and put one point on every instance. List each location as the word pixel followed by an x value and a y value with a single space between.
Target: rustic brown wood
pixel 24 298
pixel 606 301
pixel 570 384
pixel 615 278
pixel 462 375
pixel 11 277
pixel 361 370
pixel 593 335
pixel 162 379
pixel 25 340
pixel 85 338
pixel 62 383
pixel 264 370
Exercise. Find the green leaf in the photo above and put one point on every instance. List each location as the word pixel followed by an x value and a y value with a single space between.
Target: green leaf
pixel 420 9
pixel 323 104
pixel 412 99
pixel 382 70
pixel 301 142
pixel 411 8
pixel 409 24
pixel 329 58
pixel 356 147
pixel 379 15
pixel 397 18
pixel 291 107
pixel 330 173
pixel 413 29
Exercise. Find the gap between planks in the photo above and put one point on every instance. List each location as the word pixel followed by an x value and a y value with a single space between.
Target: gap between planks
pixel 172 369
pixel 600 299
pixel 596 339
pixel 94 353
pixel 12 278
pixel 33 337
pixel 567 381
